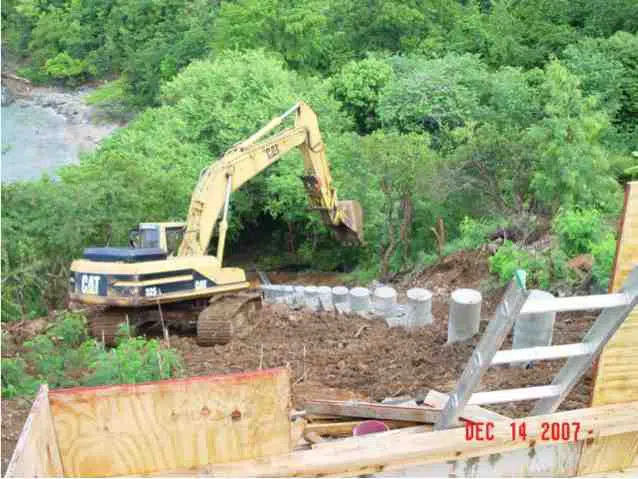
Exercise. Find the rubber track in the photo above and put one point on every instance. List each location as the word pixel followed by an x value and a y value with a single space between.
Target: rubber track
pixel 218 322
pixel 105 324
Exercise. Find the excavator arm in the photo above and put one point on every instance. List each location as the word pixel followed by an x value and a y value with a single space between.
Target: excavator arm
pixel 249 158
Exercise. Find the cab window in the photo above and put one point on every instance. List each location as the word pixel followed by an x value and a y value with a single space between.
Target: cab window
pixel 173 239
pixel 149 237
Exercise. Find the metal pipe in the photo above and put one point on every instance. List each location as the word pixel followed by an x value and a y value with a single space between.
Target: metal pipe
pixel 223 226
pixel 269 126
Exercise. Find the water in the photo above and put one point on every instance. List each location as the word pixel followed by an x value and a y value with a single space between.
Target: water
pixel 33 142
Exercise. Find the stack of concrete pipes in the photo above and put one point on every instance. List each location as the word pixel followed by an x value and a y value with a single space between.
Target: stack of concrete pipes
pixel 464 309
pixel 380 303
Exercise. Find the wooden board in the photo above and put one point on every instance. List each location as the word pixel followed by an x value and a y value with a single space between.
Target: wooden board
pixel 170 425
pixel 370 410
pixel 609 454
pixel 616 375
pixel 344 428
pixel 554 460
pixel 37 454
pixel 379 453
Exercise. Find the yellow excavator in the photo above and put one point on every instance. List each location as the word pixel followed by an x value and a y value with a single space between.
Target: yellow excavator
pixel 166 274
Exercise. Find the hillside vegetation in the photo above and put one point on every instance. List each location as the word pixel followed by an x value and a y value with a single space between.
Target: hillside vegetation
pixel 447 120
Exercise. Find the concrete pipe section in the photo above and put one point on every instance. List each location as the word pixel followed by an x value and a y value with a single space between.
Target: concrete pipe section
pixel 312 297
pixel 532 330
pixel 325 298
pixel 464 315
pixel 419 308
pixel 385 300
pixel 359 300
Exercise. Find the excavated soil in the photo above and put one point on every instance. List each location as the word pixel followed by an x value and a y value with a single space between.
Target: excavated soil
pixel 14 413
pixel 349 357
pixel 346 357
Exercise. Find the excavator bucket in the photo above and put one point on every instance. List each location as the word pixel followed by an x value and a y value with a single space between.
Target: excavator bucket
pixel 350 230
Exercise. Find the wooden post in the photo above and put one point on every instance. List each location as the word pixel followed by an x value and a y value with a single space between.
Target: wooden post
pixel 616 373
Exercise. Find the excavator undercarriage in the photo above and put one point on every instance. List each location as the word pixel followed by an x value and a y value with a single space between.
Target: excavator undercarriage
pixel 215 321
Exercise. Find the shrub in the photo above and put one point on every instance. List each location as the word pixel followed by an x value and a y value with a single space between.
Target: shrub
pixel 134 360
pixel 64 356
pixel 473 233
pixel 578 229
pixel 65 67
pixel 603 252
pixel 15 380
pixel 61 354
pixel 510 257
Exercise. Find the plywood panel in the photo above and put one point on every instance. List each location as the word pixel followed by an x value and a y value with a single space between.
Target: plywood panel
pixel 611 454
pixel 616 376
pixel 36 454
pixel 169 425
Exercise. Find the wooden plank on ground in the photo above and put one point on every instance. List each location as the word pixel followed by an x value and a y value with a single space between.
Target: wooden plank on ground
pixel 370 410
pixel 37 454
pixel 616 374
pixel 355 441
pixel 398 452
pixel 169 425
pixel 473 413
pixel 344 428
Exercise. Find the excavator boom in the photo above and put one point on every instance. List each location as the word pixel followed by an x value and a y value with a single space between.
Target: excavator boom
pixel 250 157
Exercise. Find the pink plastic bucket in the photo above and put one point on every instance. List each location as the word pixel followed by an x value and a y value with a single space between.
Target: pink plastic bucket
pixel 369 427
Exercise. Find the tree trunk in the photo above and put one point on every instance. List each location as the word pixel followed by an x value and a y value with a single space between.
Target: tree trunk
pixel 405 233
pixel 291 239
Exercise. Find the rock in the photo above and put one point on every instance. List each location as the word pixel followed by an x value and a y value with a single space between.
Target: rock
pixel 582 262
pixel 7 96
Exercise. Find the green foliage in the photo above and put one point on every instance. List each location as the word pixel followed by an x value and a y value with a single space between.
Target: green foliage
pixel 61 353
pixel 578 230
pixel 150 42
pixel 433 94
pixel 64 356
pixel 146 42
pixel 573 166
pixel 428 110
pixel 604 252
pixel 133 361
pixel 63 66
pixel 111 97
pixel 473 233
pixel 296 30
pixel 510 257
pixel 358 86
pixel 15 380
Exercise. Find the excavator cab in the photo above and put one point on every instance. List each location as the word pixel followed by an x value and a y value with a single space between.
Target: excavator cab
pixel 165 236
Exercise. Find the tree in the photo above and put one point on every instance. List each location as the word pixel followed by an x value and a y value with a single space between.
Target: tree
pixel 401 165
pixel 572 167
pixel 433 95
pixel 358 86
pixel 296 30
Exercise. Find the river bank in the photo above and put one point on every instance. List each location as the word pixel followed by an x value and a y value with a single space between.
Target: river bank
pixel 44 128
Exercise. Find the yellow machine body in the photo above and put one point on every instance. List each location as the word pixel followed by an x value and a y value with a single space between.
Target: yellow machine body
pixel 168 263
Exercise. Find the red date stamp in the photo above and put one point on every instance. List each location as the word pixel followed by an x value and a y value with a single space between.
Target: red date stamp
pixel 549 431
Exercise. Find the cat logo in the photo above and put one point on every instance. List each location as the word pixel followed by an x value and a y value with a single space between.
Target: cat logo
pixel 90 284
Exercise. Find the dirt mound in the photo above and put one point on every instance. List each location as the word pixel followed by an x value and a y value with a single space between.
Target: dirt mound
pixel 465 269
pixel 346 357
